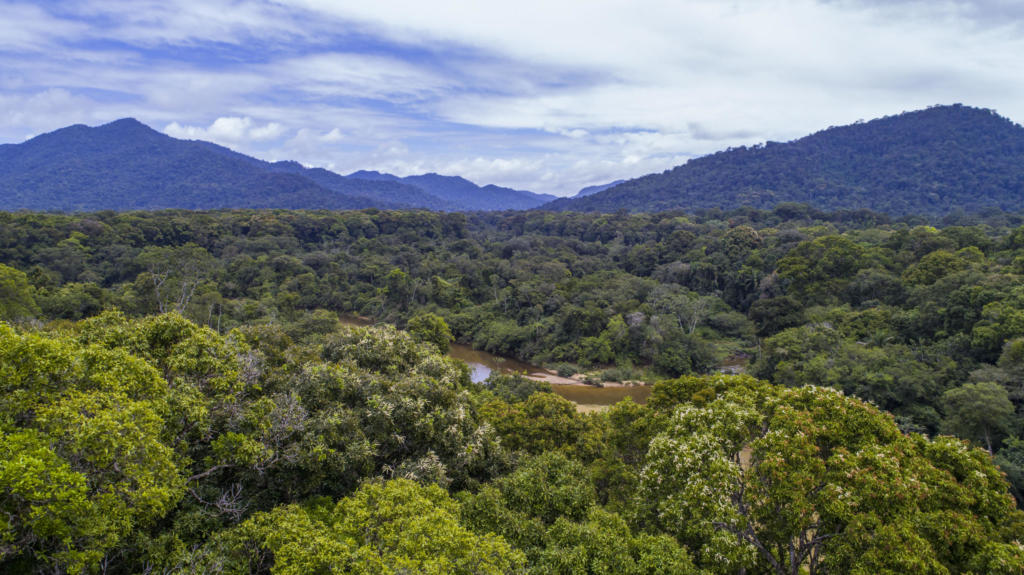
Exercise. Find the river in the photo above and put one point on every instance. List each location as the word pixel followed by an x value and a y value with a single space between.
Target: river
pixel 481 364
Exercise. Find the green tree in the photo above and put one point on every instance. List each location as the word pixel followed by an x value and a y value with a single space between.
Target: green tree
pixel 981 412
pixel 431 328
pixel 174 273
pixel 17 300
pixel 84 455
pixel 776 480
pixel 387 528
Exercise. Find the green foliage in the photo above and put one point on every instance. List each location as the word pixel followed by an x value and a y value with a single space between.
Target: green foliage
pixel 390 528
pixel 543 422
pixel 155 443
pixel 980 411
pixel 515 388
pixel 1010 460
pixel 809 477
pixel 87 458
pixel 431 328
pixel 149 439
pixel 17 300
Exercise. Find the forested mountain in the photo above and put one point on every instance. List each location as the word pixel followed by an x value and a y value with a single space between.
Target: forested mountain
pixel 934 161
pixel 126 165
pixel 463 193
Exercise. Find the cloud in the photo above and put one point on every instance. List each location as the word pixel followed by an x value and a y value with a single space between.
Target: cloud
pixel 187 22
pixel 533 94
pixel 228 130
pixel 356 75
pixel 26 27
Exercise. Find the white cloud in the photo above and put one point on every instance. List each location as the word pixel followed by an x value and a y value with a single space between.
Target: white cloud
pixel 25 26
pixel 549 96
pixel 153 22
pixel 359 75
pixel 228 130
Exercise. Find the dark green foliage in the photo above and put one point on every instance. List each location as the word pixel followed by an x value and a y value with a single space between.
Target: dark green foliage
pixel 157 444
pixel 894 312
pixel 514 388
pixel 942 160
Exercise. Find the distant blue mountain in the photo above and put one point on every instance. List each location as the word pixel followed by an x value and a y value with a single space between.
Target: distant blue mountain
pixel 392 191
pixel 125 165
pixel 462 193
pixel 589 190
pixel 374 176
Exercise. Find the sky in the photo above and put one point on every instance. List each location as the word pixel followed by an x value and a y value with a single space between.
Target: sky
pixel 544 95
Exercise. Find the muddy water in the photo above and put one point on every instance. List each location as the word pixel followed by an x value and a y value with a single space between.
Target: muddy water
pixel 481 364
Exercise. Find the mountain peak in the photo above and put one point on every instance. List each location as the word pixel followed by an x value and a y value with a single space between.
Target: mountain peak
pixel 127 165
pixel 126 126
pixel 932 161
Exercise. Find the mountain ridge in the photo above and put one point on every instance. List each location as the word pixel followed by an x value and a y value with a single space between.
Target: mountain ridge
pixel 461 192
pixel 930 162
pixel 126 165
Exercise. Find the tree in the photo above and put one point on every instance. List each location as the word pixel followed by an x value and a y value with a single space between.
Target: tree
pixel 16 298
pixel 84 459
pixel 175 273
pixel 779 480
pixel 431 328
pixel 981 412
pixel 388 528
pixel 544 422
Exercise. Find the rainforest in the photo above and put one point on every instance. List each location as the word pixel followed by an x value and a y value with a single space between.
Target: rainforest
pixel 826 392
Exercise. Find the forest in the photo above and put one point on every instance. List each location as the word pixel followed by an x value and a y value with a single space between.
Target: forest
pixel 179 394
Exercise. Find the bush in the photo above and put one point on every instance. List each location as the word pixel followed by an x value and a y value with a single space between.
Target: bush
pixel 566 370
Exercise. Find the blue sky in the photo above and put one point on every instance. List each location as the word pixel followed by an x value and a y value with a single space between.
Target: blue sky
pixel 544 95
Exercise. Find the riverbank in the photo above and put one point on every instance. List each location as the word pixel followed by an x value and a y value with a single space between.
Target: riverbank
pixel 578 379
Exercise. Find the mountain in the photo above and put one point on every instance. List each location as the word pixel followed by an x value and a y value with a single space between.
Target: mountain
pixel 591 190
pixel 390 191
pixel 463 193
pixel 933 161
pixel 374 176
pixel 125 165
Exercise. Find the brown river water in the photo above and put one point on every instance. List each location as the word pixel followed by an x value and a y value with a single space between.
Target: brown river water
pixel 481 364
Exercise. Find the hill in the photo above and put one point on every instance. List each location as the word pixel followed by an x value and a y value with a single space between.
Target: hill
pixel 934 161
pixel 125 165
pixel 385 190
pixel 463 193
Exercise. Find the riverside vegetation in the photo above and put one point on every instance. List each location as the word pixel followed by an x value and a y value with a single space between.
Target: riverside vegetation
pixel 177 394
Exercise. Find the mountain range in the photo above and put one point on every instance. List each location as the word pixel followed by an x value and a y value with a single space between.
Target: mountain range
pixel 930 162
pixel 462 192
pixel 933 161
pixel 125 165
